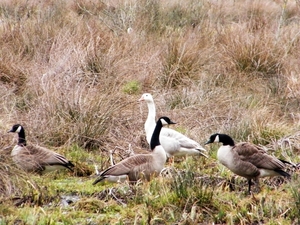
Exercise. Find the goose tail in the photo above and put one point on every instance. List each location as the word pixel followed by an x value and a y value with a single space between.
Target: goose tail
pixel 283 173
pixel 70 166
pixel 289 163
pixel 99 179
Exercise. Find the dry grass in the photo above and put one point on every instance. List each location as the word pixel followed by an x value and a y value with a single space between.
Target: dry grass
pixel 16 186
pixel 71 73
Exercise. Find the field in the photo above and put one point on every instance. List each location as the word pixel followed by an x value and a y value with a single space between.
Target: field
pixel 71 72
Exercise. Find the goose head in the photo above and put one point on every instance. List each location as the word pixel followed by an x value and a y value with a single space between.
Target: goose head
pixel 223 138
pixel 146 97
pixel 166 120
pixel 155 136
pixel 15 129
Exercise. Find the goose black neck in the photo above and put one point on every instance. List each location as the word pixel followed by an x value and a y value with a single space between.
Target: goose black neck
pixel 155 136
pixel 22 140
pixel 226 140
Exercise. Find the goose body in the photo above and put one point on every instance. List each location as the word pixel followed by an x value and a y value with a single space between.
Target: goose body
pixel 32 158
pixel 174 143
pixel 246 159
pixel 141 166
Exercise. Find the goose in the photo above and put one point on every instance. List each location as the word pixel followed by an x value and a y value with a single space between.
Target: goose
pixel 141 166
pixel 174 143
pixel 37 159
pixel 247 160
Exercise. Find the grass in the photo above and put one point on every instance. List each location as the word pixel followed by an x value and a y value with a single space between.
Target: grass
pixel 71 73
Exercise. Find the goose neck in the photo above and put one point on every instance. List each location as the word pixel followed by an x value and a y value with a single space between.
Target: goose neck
pixel 155 136
pixel 226 140
pixel 151 111
pixel 21 140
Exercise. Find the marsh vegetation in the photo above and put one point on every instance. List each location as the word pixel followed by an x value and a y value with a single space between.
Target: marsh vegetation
pixel 71 73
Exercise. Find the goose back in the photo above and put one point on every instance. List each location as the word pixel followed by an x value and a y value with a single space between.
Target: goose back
pixel 257 156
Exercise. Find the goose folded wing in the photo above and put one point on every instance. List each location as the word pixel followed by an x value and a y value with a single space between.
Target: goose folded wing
pixel 257 156
pixel 126 166
pixel 182 140
pixel 188 143
pixel 171 133
pixel 45 156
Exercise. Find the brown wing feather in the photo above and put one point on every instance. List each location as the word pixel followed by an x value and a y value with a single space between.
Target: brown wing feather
pixel 46 156
pixel 257 156
pixel 132 163
pixel 35 158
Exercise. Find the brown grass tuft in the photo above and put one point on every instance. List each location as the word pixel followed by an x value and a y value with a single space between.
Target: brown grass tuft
pixel 14 182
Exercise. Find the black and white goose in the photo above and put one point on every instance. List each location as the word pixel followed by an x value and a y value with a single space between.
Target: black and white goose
pixel 246 159
pixel 174 143
pixel 32 158
pixel 141 166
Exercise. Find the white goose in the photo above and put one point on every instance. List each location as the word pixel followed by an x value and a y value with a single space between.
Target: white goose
pixel 174 143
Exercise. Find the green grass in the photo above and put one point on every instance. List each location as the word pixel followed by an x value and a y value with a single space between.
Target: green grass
pixel 185 196
pixel 72 74
pixel 131 87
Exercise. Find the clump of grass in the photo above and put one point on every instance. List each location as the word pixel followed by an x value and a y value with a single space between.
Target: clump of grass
pixel 90 205
pixel 295 213
pixel 179 99
pixel 14 77
pixel 13 181
pixel 18 187
pixel 188 193
pixel 131 87
pixel 180 64
pixel 259 130
pixel 64 64
pixel 84 161
pixel 90 112
pixel 88 8
pixel 258 54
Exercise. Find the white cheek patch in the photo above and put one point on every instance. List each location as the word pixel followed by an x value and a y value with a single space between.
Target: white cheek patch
pixel 19 129
pixel 217 139
pixel 163 122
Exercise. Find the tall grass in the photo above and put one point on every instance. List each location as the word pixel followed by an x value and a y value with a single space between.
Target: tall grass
pixel 71 73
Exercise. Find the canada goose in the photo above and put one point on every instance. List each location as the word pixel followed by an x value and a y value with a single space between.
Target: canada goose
pixel 141 165
pixel 246 159
pixel 37 159
pixel 174 143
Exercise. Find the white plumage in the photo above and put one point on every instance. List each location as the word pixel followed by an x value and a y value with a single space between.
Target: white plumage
pixel 174 143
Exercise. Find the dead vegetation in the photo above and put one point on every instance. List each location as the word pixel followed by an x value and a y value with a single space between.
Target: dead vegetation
pixel 71 72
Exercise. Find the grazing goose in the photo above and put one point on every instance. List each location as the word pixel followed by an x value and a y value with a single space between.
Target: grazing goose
pixel 141 165
pixel 37 159
pixel 247 160
pixel 174 143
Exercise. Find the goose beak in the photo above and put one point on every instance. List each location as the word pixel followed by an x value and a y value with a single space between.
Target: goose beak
pixel 141 99
pixel 201 150
pixel 208 142
pixel 9 131
pixel 171 122
pixel 203 155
